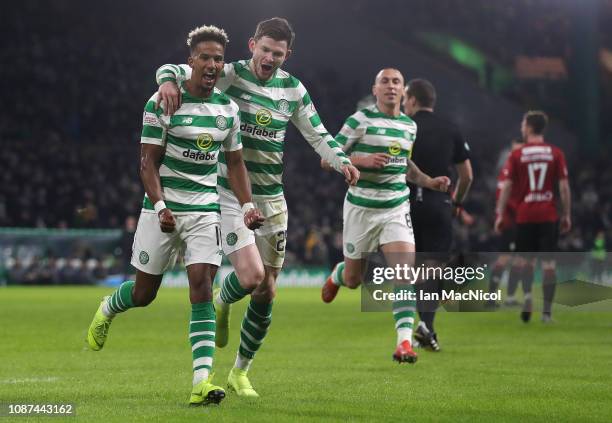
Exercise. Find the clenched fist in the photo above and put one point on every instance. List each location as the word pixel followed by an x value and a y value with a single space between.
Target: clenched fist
pixel 440 183
pixel 253 219
pixel 167 223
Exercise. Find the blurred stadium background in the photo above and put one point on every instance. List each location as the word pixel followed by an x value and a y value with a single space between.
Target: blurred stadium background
pixel 75 77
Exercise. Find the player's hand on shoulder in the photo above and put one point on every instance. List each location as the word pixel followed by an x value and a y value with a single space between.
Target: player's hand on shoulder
pixel 254 219
pixel 170 94
pixel 440 183
pixel 167 222
pixel 351 174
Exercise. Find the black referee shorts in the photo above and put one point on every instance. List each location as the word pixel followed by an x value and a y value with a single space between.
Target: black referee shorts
pixel 506 242
pixel 535 237
pixel 432 223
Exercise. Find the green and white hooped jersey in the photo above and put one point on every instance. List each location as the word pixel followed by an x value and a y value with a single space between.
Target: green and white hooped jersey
pixel 370 131
pixel 192 138
pixel 265 111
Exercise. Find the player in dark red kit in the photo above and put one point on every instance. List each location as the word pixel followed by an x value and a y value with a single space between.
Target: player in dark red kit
pixel 507 238
pixel 533 170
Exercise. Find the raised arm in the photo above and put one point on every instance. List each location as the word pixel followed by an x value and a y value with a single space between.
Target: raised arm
pixel 172 73
pixel 168 77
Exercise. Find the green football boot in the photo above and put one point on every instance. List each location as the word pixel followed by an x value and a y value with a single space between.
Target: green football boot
pixel 222 317
pixel 238 382
pixel 98 330
pixel 205 393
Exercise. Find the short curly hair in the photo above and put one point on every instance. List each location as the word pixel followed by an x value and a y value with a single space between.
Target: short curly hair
pixel 206 33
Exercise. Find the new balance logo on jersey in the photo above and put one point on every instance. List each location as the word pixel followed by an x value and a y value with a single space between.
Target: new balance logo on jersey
pixel 256 130
pixel 199 156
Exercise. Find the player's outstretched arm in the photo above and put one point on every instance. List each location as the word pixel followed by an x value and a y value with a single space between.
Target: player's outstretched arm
pixel 356 162
pixel 172 73
pixel 351 174
pixel 325 165
pixel 416 176
pixel 307 121
pixel 239 181
pixel 169 76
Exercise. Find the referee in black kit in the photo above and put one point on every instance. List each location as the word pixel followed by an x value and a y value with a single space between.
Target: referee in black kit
pixel 438 145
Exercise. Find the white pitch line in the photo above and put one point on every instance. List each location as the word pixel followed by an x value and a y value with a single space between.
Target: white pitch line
pixel 30 380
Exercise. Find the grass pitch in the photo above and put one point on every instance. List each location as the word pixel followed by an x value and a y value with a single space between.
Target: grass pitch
pixel 319 363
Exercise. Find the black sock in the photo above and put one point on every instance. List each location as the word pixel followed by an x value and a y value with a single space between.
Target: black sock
pixel 495 278
pixel 427 308
pixel 513 279
pixel 428 317
pixel 527 283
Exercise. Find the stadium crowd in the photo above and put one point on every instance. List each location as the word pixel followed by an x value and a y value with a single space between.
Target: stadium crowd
pixel 70 143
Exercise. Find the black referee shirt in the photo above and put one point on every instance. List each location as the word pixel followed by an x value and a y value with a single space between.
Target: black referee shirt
pixel 438 145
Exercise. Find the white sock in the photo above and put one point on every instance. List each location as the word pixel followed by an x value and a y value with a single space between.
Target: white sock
pixel 200 375
pixel 242 362
pixel 404 334
pixel 218 300
pixel 106 310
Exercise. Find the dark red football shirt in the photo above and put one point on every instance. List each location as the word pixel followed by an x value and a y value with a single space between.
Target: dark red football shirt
pixel 534 170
